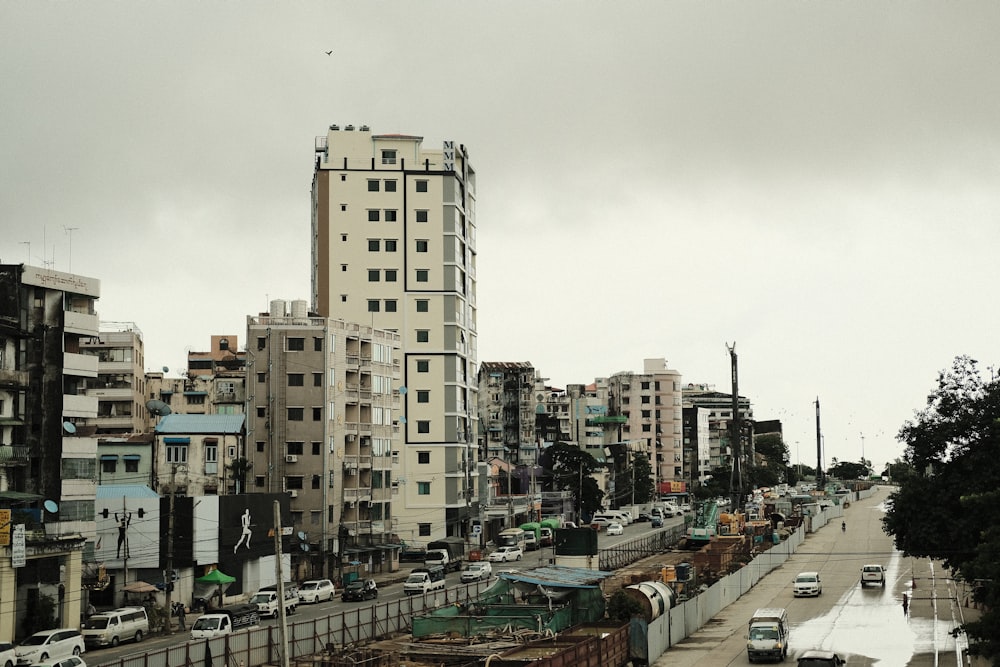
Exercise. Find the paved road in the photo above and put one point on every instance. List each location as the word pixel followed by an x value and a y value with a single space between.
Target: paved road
pixel 865 626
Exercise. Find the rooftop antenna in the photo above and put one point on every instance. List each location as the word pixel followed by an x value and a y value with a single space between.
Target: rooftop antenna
pixel 70 230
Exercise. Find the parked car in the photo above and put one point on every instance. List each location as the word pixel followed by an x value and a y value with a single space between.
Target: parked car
pixel 820 659
pixel 656 522
pixel 8 656
pixel 479 571
pixel 41 646
pixel 616 529
pixel 873 574
pixel 643 516
pixel 71 661
pixel 360 589
pixel 316 590
pixel 807 583
pixel 504 554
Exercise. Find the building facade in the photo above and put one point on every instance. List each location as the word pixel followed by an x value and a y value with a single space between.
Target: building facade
pixel 323 427
pixel 48 464
pixel 394 246
pixel 120 386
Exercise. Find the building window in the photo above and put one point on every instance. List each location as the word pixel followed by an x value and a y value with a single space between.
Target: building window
pixel 296 414
pixel 390 186
pixel 373 215
pixel 296 344
pixel 373 305
pixel 317 379
pixel 109 465
pixel 390 245
pixel 423 305
pixel 293 448
pixel 261 378
pixel 316 448
pixel 421 216
pixel 132 465
pixel 211 459
pixel 260 445
pixel 372 185
pixel 317 414
pixel 343 207
pixel 423 335
pixel 315 484
pixel 423 458
pixel 422 275
pixel 390 275
pixel 197 399
pixel 374 245
pixel 423 488
pixel 177 453
pixel 293 482
pixel 423 426
pixel 296 379
pixel 421 245
pixel 390 305
pixel 343 268
pixel 388 157
pixel 258 481
pixel 423 366
pixel 423 396
pixel 261 342
pixel 374 275
pixel 390 215
pixel 421 186
pixel 261 411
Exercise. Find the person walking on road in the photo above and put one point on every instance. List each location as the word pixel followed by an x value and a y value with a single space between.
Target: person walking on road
pixel 906 604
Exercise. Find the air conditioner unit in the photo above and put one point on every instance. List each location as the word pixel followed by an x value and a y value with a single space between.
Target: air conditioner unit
pixel 291 458
pixel 294 493
pixel 350 437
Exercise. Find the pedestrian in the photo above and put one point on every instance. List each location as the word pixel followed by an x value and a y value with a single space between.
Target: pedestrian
pixel 906 603
pixel 179 612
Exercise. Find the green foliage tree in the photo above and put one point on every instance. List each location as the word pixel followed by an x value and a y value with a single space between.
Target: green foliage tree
pixel 568 465
pixel 640 479
pixel 759 476
pixel 849 470
pixel 621 607
pixel 946 506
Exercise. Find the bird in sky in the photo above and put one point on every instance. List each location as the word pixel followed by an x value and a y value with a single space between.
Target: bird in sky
pixel 329 53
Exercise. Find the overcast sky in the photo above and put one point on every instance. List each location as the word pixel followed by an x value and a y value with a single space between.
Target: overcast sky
pixel 814 181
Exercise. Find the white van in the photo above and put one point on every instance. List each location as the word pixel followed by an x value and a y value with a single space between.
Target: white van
pixel 611 516
pixel 108 628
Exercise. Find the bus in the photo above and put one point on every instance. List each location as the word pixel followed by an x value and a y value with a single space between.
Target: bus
pixel 511 537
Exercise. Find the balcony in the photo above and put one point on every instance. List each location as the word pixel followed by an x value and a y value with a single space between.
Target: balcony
pixel 85 324
pixel 13 379
pixel 83 365
pixel 76 405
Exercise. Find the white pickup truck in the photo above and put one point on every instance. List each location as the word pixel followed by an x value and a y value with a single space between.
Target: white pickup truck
pixel 266 600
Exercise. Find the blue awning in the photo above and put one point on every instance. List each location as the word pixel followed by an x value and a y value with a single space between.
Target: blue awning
pixel 132 457
pixel 196 393
pixel 109 457
pixel 177 441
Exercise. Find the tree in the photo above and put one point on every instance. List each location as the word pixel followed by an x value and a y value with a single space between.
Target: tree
pixel 572 469
pixel 946 506
pixel 849 470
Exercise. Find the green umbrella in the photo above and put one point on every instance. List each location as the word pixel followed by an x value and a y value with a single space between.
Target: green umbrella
pixel 216 577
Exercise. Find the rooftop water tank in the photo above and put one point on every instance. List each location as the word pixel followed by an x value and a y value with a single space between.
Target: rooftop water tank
pixel 278 308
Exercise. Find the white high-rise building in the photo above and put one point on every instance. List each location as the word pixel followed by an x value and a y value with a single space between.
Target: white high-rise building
pixel 394 247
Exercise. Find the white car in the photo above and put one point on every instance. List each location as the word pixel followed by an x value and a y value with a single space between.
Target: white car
pixel 71 661
pixel 504 554
pixel 873 574
pixel 8 656
pixel 316 590
pixel 807 583
pixel 615 529
pixel 49 644
pixel 476 572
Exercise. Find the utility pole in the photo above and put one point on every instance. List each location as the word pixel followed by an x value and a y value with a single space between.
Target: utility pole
pixel 736 478
pixel 169 575
pixel 280 577
pixel 820 476
pixel 124 528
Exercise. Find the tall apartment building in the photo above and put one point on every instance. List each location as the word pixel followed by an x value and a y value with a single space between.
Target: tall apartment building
pixel 120 386
pixel 47 463
pixel 221 372
pixel 394 246
pixel 507 410
pixel 650 402
pixel 323 423
pixel 720 415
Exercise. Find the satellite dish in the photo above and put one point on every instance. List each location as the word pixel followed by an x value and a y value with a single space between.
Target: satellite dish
pixel 402 389
pixel 51 506
pixel 402 420
pixel 69 427
pixel 158 408
pixel 305 547
pixel 302 536
pixel 166 370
